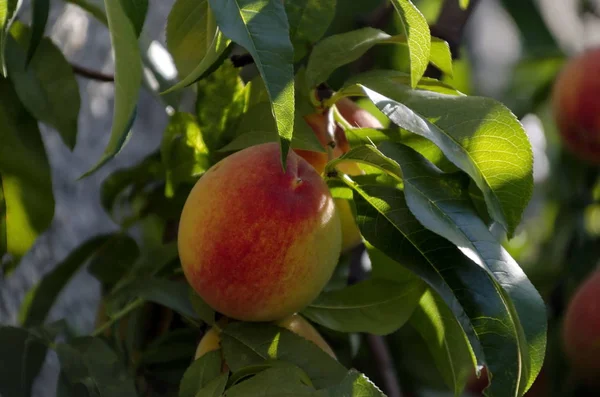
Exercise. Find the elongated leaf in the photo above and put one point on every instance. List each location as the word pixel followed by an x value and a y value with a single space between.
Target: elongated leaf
pixel 39 18
pixel 374 306
pixel 39 300
pixel 386 223
pixel 200 373
pixel 8 13
pixel 183 151
pixel 446 341
pixel 221 100
pixel 88 362
pixel 22 355
pixel 442 205
pixel 252 343
pixel 354 384
pixel 193 39
pixel 136 11
pixel 417 32
pixel 112 261
pixel 47 86
pixel 24 175
pixel 214 388
pixel 478 135
pixel 274 382
pixel 128 79
pixel 309 20
pixel 261 27
pixel 204 311
pixel 341 49
pixel 440 56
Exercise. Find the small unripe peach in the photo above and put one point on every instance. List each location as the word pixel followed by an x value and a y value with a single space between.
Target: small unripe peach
pixel 258 244
pixel 297 324
pixel 576 105
pixel 581 332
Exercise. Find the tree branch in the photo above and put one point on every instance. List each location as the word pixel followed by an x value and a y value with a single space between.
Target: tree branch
pixel 451 23
pixel 385 365
pixel 92 74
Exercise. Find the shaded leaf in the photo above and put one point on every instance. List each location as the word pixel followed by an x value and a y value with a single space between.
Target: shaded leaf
pixel 479 135
pixel 445 340
pixel 112 261
pixel 442 205
pixel 47 86
pixel 354 384
pixel 8 14
pixel 247 344
pixel 39 300
pixel 193 39
pixel 261 27
pixel 136 11
pixel 39 18
pixel 24 175
pixel 22 355
pixel 214 388
pixel 273 382
pixel 200 374
pixel 309 20
pixel 128 79
pixel 416 30
pixel 374 306
pixel 204 311
pixel 183 152
pixel 89 363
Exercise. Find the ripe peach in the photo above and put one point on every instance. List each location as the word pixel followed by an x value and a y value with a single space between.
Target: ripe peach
pixel 581 329
pixel 297 324
pixel 357 117
pixel 576 105
pixel 258 244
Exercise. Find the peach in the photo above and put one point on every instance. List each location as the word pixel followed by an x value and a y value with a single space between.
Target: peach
pixel 576 105
pixel 357 117
pixel 581 329
pixel 297 324
pixel 258 244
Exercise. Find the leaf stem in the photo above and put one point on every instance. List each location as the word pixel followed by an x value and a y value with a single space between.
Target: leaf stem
pixel 92 74
pixel 120 314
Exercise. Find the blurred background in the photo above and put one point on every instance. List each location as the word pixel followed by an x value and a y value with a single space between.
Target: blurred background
pixel 511 50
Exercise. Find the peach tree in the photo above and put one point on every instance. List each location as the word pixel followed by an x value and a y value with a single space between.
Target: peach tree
pixel 430 181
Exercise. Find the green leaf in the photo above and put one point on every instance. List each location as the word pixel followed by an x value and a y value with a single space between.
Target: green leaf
pixel 440 56
pixel 39 18
pixel 204 311
pixel 128 79
pixel 183 152
pixel 221 100
pixel 47 86
pixel 200 373
pixel 464 4
pixel 112 261
pixel 341 49
pixel 23 354
pixel 381 77
pixel 375 306
pixel 309 20
pixel 247 344
pixel 136 11
pixel 261 27
pixel 386 223
pixel 8 14
pixel 369 155
pixel 286 381
pixel 90 363
pixel 490 145
pixel 168 293
pixel 39 300
pixel 24 175
pixel 445 340
pixel 94 10
pixel 193 39
pixel 442 205
pixel 416 30
pixel 354 384
pixel 214 388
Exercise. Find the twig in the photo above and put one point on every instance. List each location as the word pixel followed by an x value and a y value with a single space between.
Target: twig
pixel 92 74
pixel 385 366
pixel 241 60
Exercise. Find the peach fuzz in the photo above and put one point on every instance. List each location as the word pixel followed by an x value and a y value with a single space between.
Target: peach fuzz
pixel 576 105
pixel 258 244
